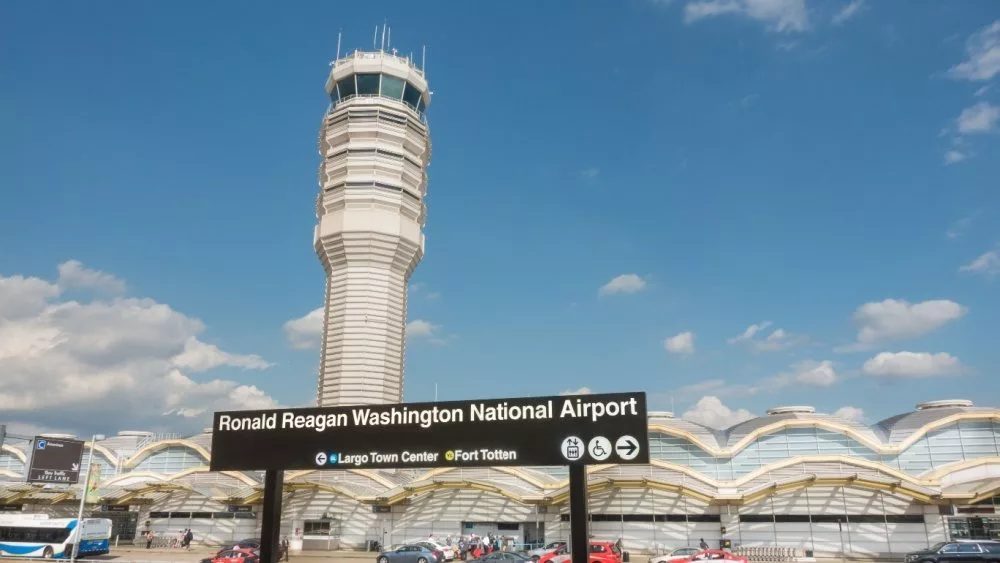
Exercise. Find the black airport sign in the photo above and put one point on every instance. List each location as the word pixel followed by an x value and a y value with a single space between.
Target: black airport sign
pixel 55 460
pixel 561 430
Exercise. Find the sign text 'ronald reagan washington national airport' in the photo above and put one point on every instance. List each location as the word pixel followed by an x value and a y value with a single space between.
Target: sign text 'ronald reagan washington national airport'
pixel 561 430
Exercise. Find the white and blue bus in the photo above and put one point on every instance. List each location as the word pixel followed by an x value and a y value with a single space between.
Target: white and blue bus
pixel 37 535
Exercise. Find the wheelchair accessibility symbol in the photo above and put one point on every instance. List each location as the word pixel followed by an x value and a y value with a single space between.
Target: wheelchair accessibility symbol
pixel 599 448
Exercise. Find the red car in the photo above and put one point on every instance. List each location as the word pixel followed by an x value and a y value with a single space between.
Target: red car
pixel 600 552
pixel 550 554
pixel 716 555
pixel 236 555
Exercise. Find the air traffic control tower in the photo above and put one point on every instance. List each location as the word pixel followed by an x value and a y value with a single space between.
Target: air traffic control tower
pixel 375 147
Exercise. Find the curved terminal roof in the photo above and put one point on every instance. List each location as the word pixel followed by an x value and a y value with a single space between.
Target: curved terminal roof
pixel 900 427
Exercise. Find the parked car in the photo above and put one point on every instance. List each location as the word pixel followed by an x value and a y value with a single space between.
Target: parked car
pixel 237 555
pixel 537 553
pixel 551 554
pixel 681 553
pixel 957 552
pixel 600 552
pixel 505 557
pixel 446 550
pixel 251 543
pixel 224 550
pixel 410 553
pixel 716 555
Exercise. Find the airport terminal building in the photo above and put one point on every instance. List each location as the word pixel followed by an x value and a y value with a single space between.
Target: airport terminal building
pixel 792 478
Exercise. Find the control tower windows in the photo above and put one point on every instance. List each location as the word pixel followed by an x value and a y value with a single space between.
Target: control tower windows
pixel 346 87
pixel 382 85
pixel 411 96
pixel 368 84
pixel 392 87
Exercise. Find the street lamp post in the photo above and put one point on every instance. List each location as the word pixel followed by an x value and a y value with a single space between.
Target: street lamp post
pixel 83 498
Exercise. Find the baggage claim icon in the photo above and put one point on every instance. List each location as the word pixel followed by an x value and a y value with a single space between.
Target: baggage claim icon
pixel 572 448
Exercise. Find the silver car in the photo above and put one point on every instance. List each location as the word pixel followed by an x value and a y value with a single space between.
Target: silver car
pixel 408 554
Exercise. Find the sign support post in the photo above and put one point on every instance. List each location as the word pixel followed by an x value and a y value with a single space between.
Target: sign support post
pixel 579 525
pixel 270 525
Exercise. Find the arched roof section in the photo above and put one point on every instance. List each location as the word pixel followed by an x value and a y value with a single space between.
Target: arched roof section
pixel 931 479
pixel 109 456
pixel 16 452
pixel 908 427
pixel 684 428
pixel 154 447
pixel 755 426
pixel 741 436
pixel 533 479
pixel 469 485
pixel 372 475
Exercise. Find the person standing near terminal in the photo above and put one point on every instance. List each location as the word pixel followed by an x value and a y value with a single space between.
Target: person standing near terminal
pixel 284 549
pixel 703 544
pixel 149 539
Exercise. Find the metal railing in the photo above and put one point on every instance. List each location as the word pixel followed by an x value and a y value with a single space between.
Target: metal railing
pixel 359 54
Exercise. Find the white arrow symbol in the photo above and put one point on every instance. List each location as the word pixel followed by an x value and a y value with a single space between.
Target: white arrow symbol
pixel 76 467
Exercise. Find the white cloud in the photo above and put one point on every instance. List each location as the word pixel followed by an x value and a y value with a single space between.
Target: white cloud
pixel 896 319
pixel 979 118
pixel 682 343
pixel 74 275
pixel 199 356
pixel 848 12
pixel 779 15
pixel 306 331
pixel 580 391
pixel 419 329
pixel 982 52
pixel 854 414
pixel 98 364
pixel 954 157
pixel 982 90
pixel 625 283
pixel 912 365
pixel 809 373
pixel 750 332
pixel 959 228
pixel 987 264
pixel 590 174
pixel 712 413
pixel 779 339
pixel 20 296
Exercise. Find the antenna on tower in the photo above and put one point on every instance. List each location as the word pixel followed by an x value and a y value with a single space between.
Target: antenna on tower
pixel 375 38
pixel 389 40
pixel 339 33
pixel 423 60
pixel 383 35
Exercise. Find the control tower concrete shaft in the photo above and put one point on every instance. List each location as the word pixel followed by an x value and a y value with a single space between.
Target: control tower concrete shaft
pixel 375 147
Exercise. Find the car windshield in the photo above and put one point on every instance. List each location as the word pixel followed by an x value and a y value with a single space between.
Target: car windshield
pixel 938 546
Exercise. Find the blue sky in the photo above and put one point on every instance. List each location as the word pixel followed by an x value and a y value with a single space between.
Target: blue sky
pixel 773 162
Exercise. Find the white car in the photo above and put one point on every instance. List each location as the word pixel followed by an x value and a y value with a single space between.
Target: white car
pixel 536 553
pixel 675 555
pixel 447 550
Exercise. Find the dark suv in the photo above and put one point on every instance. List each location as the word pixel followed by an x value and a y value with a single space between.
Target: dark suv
pixel 957 552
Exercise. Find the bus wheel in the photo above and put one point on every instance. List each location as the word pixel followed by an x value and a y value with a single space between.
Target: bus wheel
pixel 47 553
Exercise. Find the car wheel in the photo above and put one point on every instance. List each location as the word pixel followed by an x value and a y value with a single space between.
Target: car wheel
pixel 47 553
pixel 422 560
pixel 383 559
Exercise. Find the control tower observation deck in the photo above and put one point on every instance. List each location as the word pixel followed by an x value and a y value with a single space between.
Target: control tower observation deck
pixel 375 147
